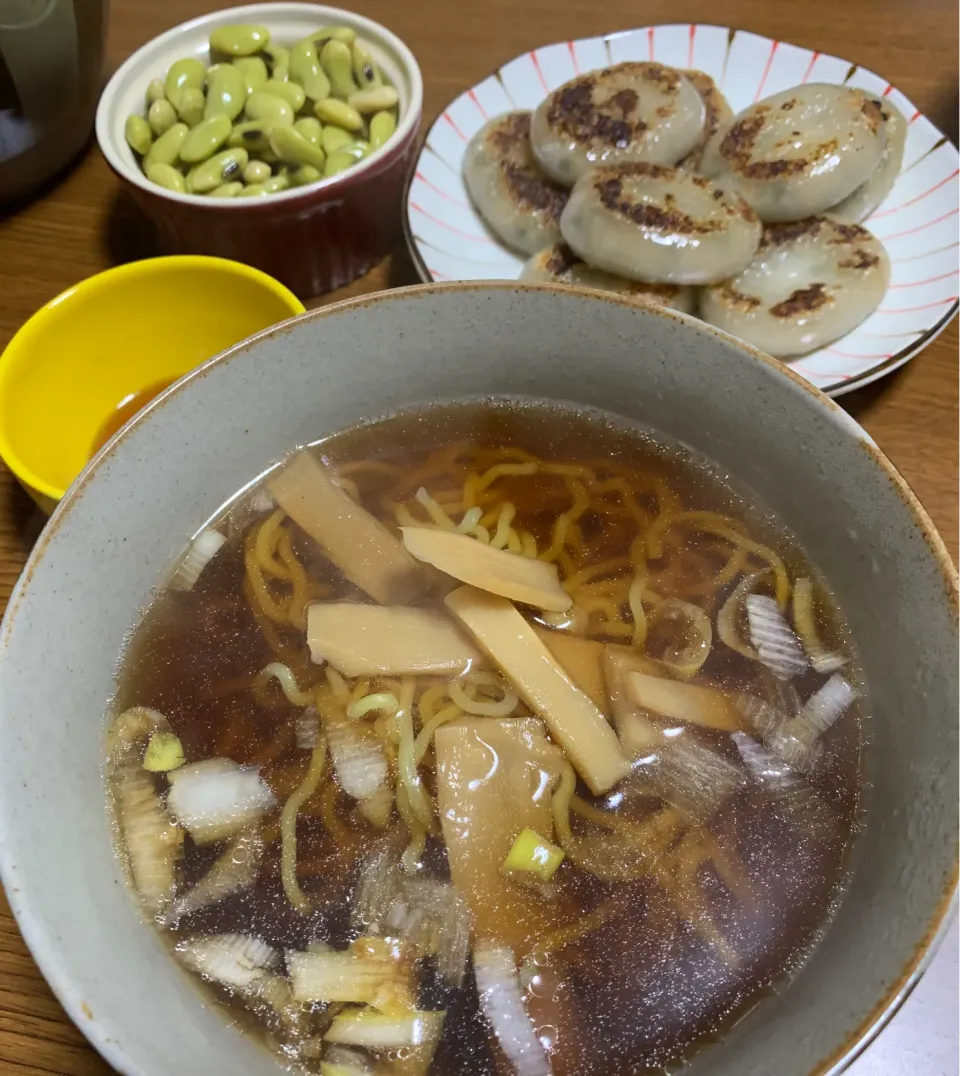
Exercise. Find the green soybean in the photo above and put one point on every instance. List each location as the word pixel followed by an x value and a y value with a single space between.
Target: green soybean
pixel 252 70
pixel 277 183
pixel 227 190
pixel 365 71
pixel 227 165
pixel 293 148
pixel 337 62
pixel 239 39
pixel 205 139
pixel 252 136
pixel 138 134
pixel 338 113
pixel 226 92
pixel 155 91
pixel 382 127
pixel 334 138
pixel 379 99
pixel 183 75
pixel 268 107
pixel 305 174
pixel 190 106
pixel 256 172
pixel 165 175
pixel 305 68
pixel 161 116
pixel 253 191
pixel 291 92
pixel 166 149
pixel 279 60
pixel 310 128
pixel 338 162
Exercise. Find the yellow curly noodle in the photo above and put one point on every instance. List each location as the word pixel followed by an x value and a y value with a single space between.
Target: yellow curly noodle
pixel 288 828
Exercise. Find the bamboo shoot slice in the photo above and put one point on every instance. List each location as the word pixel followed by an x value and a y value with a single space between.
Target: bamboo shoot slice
pixel 573 719
pixel 581 661
pixel 638 733
pixel 357 543
pixel 522 579
pixel 385 640
pixel 688 703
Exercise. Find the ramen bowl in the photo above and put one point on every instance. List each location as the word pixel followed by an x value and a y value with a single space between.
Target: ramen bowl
pixel 134 508
pixel 100 349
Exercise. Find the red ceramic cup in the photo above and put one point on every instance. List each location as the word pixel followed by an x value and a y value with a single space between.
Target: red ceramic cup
pixel 314 238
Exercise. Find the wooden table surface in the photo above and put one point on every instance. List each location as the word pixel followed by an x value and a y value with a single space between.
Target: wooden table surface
pixel 81 224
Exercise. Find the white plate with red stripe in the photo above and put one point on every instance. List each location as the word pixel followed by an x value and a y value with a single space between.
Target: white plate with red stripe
pixel 917 223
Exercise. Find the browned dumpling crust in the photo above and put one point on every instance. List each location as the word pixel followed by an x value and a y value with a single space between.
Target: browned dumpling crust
pixel 516 200
pixel 629 112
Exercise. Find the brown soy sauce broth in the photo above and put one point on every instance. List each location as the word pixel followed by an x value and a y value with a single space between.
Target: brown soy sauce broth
pixel 643 991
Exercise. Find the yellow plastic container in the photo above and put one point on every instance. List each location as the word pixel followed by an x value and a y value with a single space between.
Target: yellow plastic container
pixel 112 342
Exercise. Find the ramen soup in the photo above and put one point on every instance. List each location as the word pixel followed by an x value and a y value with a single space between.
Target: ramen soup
pixel 493 737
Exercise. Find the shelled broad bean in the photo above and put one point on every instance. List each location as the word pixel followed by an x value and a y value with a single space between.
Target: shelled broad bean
pixel 263 117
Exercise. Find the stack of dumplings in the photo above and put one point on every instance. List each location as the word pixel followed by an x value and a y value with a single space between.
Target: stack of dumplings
pixel 639 179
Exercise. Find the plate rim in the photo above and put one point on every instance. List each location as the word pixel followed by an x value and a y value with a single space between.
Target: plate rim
pixel 838 388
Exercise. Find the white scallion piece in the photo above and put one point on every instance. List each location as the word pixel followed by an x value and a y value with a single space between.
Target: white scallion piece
pixel 775 642
pixel 358 759
pixel 151 840
pixel 217 798
pixel 689 775
pixel 805 621
pixel 307 729
pixel 795 742
pixel 502 1003
pixel 202 550
pixel 828 703
pixel 234 960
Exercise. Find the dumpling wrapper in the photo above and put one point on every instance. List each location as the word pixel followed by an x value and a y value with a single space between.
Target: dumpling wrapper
pixel 869 196
pixel 798 152
pixel 657 224
pixel 522 579
pixel 717 111
pixel 383 640
pixel 628 112
pixel 810 283
pixel 510 191
pixel 558 264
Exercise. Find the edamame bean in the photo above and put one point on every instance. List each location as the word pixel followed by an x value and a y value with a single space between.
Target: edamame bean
pixel 365 71
pixel 338 162
pixel 379 99
pixel 226 92
pixel 227 165
pixel 268 107
pixel 305 174
pixel 166 149
pixel 155 91
pixel 161 116
pixel 239 39
pixel 165 175
pixel 252 70
pixel 338 113
pixel 306 69
pixel 252 136
pixel 277 183
pixel 183 75
pixel 190 106
pixel 227 190
pixel 256 172
pixel 291 92
pixel 344 34
pixel 293 148
pixel 279 60
pixel 310 128
pixel 382 127
pixel 138 134
pixel 205 139
pixel 334 138
pixel 255 190
pixel 337 63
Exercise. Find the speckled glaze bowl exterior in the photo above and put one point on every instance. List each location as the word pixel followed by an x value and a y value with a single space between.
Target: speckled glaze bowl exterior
pixel 133 509
pixel 312 239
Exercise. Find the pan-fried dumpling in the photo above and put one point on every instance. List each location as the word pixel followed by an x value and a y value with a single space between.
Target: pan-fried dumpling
pixel 630 112
pixel 558 264
pixel 657 224
pixel 717 111
pixel 798 152
pixel 870 195
pixel 510 191
pixel 811 282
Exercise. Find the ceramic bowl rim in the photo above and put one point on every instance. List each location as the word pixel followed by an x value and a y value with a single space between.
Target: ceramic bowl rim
pixel 18 349
pixel 406 129
pixel 39 936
